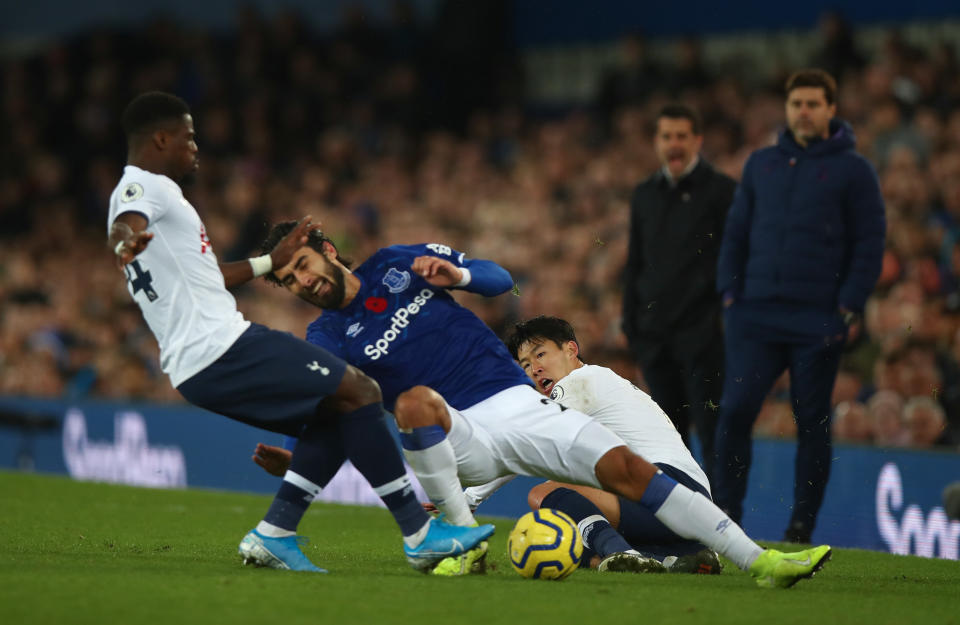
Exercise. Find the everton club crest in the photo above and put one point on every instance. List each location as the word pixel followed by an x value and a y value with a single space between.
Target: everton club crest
pixel 396 281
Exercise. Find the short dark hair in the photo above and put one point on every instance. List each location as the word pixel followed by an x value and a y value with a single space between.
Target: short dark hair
pixel 676 110
pixel 315 241
pixel 149 110
pixel 542 327
pixel 813 77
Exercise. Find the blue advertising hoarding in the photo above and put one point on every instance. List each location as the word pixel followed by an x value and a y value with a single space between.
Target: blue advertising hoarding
pixel 880 499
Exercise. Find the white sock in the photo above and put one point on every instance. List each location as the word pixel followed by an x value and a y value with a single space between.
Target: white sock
pixel 691 515
pixel 417 537
pixel 436 469
pixel 268 529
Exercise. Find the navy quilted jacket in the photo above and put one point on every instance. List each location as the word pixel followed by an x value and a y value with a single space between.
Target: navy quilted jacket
pixel 805 226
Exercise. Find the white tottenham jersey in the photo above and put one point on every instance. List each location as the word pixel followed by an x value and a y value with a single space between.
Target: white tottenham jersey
pixel 176 281
pixel 630 413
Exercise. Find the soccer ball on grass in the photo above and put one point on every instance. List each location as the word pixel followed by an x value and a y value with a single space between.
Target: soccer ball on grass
pixel 545 544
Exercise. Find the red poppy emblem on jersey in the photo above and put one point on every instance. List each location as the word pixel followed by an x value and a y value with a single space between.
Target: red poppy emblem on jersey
pixel 376 304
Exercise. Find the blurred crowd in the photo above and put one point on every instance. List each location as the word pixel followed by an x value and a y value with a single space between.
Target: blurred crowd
pixel 407 132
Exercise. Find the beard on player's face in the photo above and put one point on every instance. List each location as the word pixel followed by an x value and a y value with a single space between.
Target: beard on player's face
pixel 330 290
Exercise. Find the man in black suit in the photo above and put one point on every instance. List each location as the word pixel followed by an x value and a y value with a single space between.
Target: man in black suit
pixel 671 311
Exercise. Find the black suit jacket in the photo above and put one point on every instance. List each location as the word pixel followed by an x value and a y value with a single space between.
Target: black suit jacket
pixel 675 235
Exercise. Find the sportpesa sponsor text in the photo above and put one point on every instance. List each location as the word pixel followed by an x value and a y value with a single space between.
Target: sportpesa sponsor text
pixel 399 321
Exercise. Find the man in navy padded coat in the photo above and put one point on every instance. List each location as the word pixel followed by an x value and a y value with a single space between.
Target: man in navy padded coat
pixel 801 252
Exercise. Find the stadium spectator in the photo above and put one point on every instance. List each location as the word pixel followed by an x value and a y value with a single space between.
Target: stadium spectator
pixel 801 253
pixel 924 420
pixel 671 310
pixel 886 416
pixel 632 81
pixel 837 53
pixel 851 423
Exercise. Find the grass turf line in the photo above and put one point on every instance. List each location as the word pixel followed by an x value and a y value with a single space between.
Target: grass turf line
pixel 75 552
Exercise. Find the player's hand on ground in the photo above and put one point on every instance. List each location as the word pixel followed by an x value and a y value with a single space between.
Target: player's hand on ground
pixel 274 460
pixel 437 271
pixel 133 246
pixel 295 239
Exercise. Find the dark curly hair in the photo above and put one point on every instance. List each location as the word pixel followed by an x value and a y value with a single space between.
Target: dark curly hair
pixel 315 242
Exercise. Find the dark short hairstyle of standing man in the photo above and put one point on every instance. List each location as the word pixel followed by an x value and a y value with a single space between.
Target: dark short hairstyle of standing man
pixel 813 78
pixel 676 110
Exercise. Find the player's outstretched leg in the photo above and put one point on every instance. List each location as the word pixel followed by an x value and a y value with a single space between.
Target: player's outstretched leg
pixel 276 553
pixel 691 515
pixel 442 540
pixel 274 542
pixel 773 569
pixel 423 420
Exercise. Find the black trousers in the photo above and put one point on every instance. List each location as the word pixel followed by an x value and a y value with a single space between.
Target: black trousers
pixel 756 355
pixel 684 372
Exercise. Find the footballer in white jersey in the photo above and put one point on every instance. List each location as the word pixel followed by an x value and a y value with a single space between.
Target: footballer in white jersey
pixel 547 350
pixel 176 280
pixel 247 372
pixel 618 404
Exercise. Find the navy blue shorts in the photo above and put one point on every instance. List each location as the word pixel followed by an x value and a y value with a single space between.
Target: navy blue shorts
pixel 269 379
pixel 645 532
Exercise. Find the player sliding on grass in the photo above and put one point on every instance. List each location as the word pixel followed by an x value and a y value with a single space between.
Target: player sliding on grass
pixel 222 362
pixel 616 529
pixel 467 413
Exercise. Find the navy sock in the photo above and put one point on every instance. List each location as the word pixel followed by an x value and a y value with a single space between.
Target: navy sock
pixel 317 457
pixel 288 506
pixel 597 532
pixel 659 488
pixel 372 450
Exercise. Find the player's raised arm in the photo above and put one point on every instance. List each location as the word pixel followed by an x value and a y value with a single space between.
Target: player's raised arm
pixel 236 273
pixel 128 236
pixel 477 276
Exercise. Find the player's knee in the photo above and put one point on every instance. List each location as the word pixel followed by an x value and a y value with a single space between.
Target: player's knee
pixel 623 472
pixel 538 493
pixel 355 391
pixel 420 406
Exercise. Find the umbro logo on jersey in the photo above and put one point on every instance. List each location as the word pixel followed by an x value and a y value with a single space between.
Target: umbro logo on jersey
pixel 315 366
pixel 354 330
pixel 396 281
pixel 131 192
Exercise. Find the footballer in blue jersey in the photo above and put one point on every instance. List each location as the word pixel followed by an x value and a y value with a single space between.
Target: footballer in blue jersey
pixel 467 413
pixel 403 331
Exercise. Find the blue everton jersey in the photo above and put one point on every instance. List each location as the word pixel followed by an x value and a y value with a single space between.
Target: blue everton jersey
pixel 403 332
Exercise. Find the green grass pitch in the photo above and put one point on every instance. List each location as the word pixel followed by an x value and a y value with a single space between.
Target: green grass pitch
pixel 76 553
